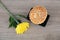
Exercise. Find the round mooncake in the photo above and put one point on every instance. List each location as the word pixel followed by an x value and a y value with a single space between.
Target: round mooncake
pixel 38 14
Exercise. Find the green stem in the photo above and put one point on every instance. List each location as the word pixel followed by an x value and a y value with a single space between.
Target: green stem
pixel 21 16
pixel 9 12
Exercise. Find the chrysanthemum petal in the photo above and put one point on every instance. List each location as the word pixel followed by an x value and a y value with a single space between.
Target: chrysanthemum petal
pixel 22 27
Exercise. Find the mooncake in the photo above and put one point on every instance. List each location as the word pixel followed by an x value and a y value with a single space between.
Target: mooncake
pixel 38 14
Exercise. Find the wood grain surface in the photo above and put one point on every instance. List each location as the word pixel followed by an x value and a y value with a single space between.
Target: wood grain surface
pixel 35 32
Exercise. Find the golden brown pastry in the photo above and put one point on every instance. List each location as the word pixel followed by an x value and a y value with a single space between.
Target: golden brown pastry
pixel 38 14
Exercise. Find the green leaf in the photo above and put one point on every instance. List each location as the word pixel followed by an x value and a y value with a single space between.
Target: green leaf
pixel 13 22
pixel 11 19
pixel 10 25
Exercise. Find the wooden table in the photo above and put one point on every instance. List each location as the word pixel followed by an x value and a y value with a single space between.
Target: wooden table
pixel 35 32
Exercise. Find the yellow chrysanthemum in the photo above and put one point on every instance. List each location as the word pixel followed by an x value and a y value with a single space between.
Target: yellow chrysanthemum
pixel 22 27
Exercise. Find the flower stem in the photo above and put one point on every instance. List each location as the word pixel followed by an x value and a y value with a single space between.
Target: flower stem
pixel 21 16
pixel 10 13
